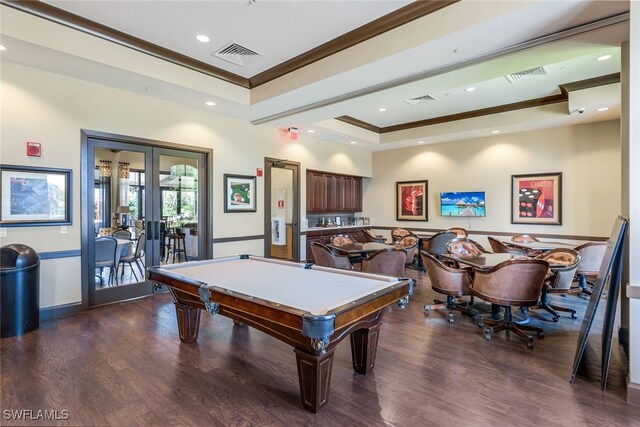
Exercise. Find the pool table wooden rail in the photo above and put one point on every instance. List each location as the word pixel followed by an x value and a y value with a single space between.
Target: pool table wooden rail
pixel 273 318
pixel 313 336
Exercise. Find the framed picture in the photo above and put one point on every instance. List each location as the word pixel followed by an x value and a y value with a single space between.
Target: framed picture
pixel 536 199
pixel 411 201
pixel 239 193
pixel 33 196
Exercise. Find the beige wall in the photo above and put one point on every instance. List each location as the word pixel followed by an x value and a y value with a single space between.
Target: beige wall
pixel 634 201
pixel 587 155
pixel 52 109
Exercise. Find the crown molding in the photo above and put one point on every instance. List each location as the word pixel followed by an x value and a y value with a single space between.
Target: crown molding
pixel 395 19
pixel 381 25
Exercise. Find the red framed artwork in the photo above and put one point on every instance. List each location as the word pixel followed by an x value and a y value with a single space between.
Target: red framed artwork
pixel 411 201
pixel 536 199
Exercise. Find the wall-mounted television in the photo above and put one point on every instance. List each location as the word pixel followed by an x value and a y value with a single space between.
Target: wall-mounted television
pixel 466 203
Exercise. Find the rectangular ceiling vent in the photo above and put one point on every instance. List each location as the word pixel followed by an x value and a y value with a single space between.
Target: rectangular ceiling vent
pixel 533 72
pixel 414 101
pixel 237 54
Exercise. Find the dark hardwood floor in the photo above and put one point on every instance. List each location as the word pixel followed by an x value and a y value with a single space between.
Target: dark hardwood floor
pixel 124 365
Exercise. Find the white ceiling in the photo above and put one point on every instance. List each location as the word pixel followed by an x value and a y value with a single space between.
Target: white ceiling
pixel 468 44
pixel 277 30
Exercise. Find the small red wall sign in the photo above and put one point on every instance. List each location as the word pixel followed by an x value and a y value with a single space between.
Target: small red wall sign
pixel 33 149
pixel 259 171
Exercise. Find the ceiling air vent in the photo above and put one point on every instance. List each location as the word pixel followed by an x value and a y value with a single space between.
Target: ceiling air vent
pixel 237 54
pixel 533 72
pixel 414 101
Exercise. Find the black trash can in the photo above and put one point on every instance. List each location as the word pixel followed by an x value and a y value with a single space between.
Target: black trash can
pixel 19 290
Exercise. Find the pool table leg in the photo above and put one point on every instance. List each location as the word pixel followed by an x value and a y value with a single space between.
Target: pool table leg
pixel 188 322
pixel 314 374
pixel 364 343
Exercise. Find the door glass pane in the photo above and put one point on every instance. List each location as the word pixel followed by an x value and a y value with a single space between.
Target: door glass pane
pixel 118 218
pixel 281 213
pixel 179 209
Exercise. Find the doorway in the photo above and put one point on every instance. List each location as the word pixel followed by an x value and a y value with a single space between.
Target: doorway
pixel 144 203
pixel 282 209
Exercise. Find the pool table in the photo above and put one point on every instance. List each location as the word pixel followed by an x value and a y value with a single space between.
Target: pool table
pixel 308 307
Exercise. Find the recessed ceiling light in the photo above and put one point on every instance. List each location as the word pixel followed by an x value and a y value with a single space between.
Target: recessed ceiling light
pixel 470 89
pixel 210 103
pixel 352 142
pixel 2 47
pixel 202 38
pixel 311 131
pixel 420 142
pixel 382 109
pixel 603 109
pixel 604 57
pixel 495 131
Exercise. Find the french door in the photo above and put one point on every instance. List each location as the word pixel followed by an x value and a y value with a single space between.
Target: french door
pixel 143 205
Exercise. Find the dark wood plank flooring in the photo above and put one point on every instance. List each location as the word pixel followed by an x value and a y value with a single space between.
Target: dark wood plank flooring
pixel 124 365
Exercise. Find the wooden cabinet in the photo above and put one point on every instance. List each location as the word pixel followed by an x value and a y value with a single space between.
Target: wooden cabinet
pixel 317 188
pixel 324 235
pixel 330 193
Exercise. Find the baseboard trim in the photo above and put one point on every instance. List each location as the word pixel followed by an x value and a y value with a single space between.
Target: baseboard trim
pixel 633 393
pixel 63 310
pixel 623 337
pixel 633 291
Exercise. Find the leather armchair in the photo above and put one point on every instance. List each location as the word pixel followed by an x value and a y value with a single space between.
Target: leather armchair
pixel 523 238
pixel 341 240
pixel 500 248
pixel 463 246
pixel 410 244
pixel 437 244
pixel 460 232
pixel 562 270
pixel 370 237
pixel 452 282
pixel 398 233
pixel 388 262
pixel 591 256
pixel 326 258
pixel 511 283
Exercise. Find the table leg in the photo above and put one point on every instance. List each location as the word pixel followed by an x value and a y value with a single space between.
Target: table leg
pixel 364 343
pixel 314 374
pixel 188 322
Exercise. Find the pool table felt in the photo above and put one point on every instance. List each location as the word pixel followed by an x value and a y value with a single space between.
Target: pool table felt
pixel 310 290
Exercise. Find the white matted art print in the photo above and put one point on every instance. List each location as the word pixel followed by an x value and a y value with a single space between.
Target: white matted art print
pixel 239 193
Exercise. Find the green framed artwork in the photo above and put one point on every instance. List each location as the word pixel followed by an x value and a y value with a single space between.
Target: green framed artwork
pixel 239 193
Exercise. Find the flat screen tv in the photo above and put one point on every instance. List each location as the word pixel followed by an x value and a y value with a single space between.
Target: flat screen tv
pixel 467 203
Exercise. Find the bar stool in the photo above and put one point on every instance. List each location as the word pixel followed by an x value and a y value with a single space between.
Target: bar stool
pixel 176 246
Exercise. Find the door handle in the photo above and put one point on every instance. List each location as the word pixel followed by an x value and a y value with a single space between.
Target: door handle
pixel 157 230
pixel 149 234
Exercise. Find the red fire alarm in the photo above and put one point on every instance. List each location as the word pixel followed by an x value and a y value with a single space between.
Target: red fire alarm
pixel 33 149
pixel 259 171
